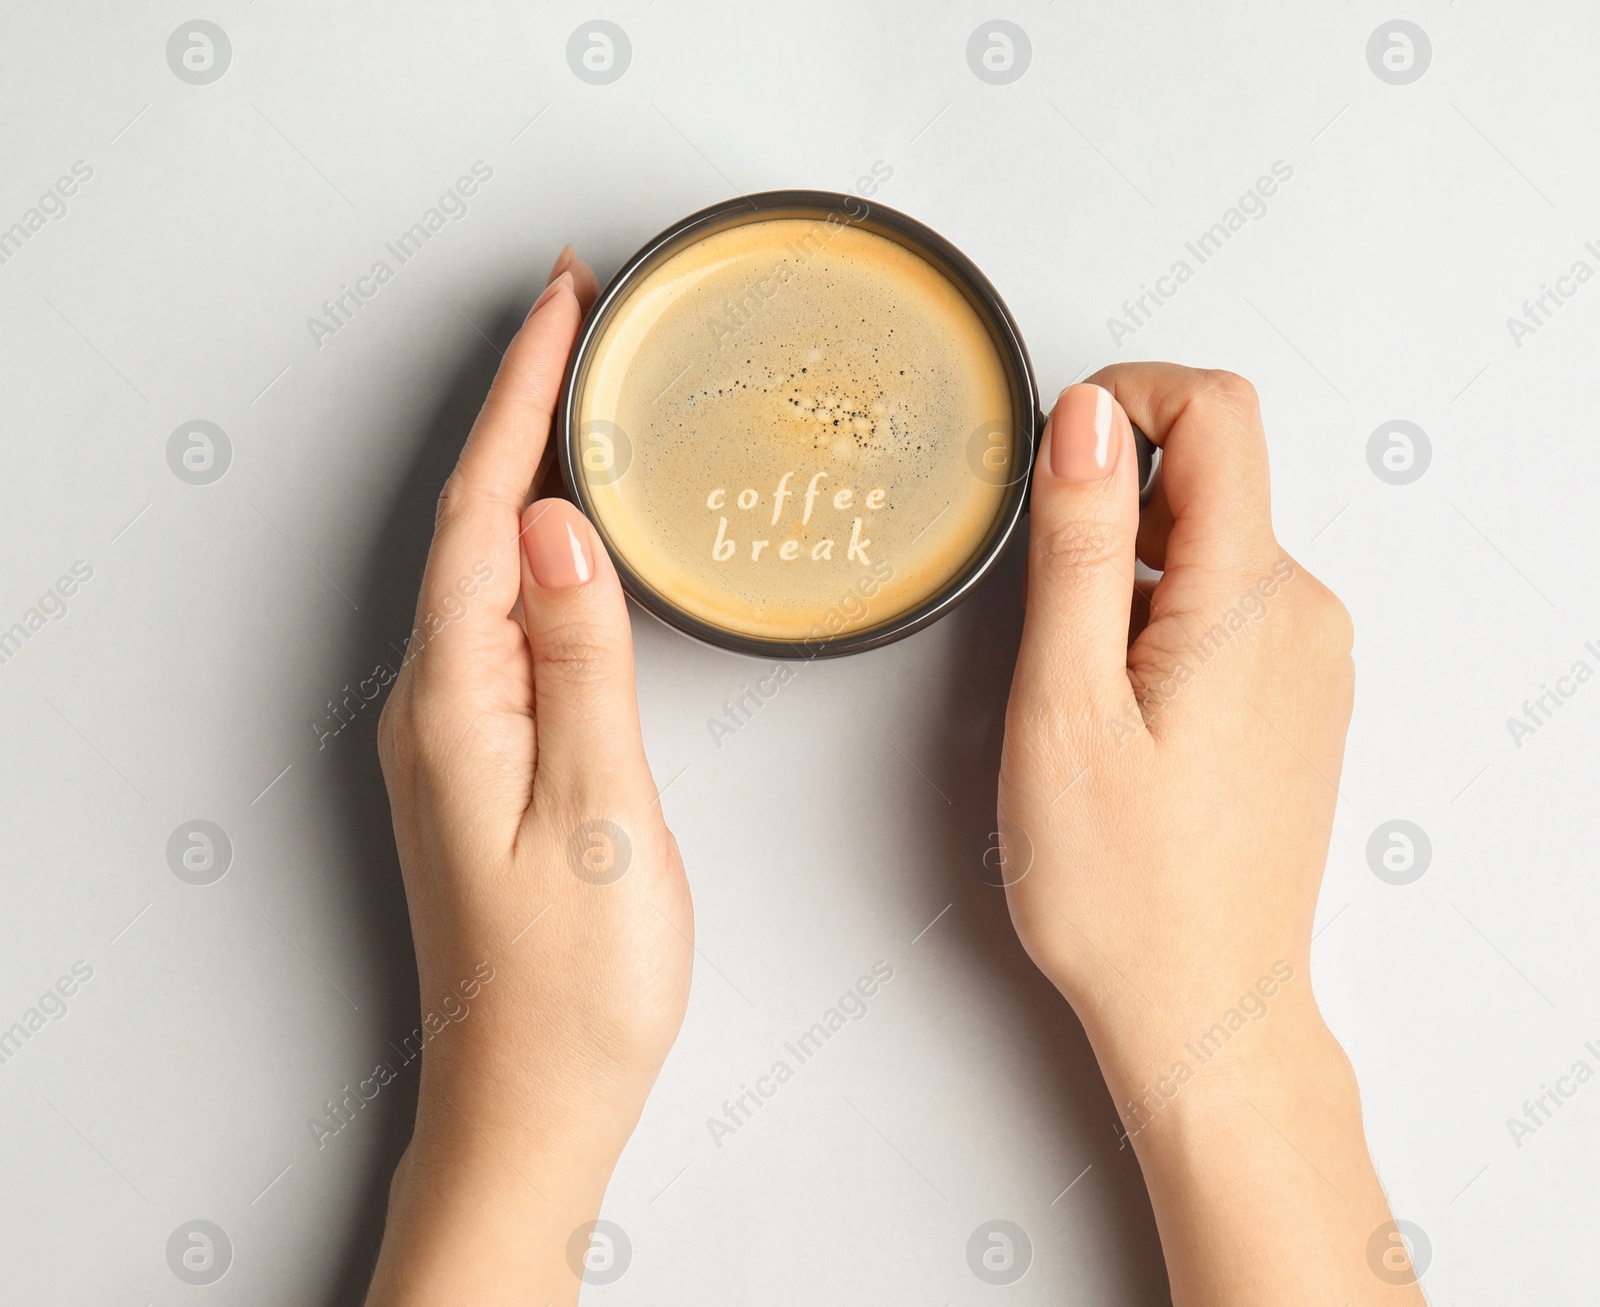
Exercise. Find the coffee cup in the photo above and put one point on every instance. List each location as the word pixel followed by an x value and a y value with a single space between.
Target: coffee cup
pixel 803 425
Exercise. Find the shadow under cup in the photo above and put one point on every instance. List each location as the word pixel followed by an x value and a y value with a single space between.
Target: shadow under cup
pixel 851 597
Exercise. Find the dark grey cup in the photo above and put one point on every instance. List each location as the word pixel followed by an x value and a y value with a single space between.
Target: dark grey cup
pixel 866 215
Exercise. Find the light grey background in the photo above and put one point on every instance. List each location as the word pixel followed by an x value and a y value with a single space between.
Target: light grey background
pixel 186 677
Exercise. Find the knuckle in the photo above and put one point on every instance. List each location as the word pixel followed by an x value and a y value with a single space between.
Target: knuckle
pixel 575 654
pixel 396 739
pixel 1338 627
pixel 1327 625
pixel 449 498
pixel 414 731
pixel 1234 390
pixel 1077 544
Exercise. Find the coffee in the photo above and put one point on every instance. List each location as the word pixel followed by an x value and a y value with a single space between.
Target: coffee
pixel 795 429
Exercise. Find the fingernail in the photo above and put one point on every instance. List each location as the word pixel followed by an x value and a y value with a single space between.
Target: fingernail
pixel 558 547
pixel 565 279
pixel 565 257
pixel 1083 430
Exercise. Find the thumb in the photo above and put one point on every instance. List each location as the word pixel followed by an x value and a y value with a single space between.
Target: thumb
pixel 586 709
pixel 1084 520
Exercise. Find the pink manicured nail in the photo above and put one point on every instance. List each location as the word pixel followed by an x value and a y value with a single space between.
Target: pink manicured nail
pixel 557 541
pixel 565 279
pixel 1084 434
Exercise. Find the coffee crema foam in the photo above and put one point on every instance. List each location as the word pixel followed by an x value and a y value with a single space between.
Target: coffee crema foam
pixel 787 429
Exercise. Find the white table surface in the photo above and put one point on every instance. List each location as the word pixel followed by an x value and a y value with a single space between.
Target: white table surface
pixel 184 678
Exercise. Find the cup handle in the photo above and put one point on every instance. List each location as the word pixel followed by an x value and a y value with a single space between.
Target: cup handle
pixel 1148 451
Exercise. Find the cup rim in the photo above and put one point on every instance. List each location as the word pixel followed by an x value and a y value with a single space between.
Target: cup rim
pixel 920 239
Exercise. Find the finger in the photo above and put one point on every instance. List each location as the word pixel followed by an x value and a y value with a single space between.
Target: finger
pixel 586 709
pixel 584 282
pixel 499 459
pixel 1084 515
pixel 479 510
pixel 547 479
pixel 1139 617
pixel 1213 510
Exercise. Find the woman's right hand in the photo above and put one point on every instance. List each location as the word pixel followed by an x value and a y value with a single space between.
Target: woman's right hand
pixel 1167 794
pixel 541 878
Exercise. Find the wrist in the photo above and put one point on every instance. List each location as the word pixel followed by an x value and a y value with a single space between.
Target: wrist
pixel 1198 1014
pixel 1255 1157
pixel 1166 1066
pixel 480 1220
pixel 504 1175
pixel 1176 1098
pixel 559 1089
